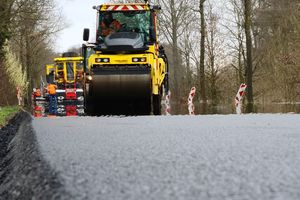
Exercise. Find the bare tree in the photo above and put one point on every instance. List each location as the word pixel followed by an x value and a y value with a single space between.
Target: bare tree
pixel 189 49
pixel 249 66
pixel 277 22
pixel 173 21
pixel 215 54
pixel 34 24
pixel 237 37
pixel 189 45
pixel 202 58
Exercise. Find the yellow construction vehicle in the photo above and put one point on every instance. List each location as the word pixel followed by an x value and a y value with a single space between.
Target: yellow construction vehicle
pixel 126 65
pixel 67 74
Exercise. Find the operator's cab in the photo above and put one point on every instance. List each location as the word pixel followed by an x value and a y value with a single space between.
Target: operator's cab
pixel 50 73
pixel 135 33
pixel 69 69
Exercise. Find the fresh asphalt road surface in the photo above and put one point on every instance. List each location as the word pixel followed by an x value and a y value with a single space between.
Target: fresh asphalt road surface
pixel 174 157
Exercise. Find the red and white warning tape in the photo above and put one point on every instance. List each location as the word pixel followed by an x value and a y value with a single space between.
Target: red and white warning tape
pixel 191 106
pixel 239 98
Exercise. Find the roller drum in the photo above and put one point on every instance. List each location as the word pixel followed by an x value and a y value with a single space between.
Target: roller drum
pixel 130 83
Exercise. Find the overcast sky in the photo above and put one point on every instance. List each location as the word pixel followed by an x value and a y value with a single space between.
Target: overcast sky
pixel 79 14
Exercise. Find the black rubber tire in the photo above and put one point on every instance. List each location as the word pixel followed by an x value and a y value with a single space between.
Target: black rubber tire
pixel 156 104
pixel 146 107
pixel 88 103
pixel 89 106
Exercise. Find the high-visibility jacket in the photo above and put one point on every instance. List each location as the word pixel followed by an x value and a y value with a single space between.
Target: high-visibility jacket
pixel 114 26
pixel 52 89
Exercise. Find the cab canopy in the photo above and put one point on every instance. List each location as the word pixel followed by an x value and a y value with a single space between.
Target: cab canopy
pixel 132 21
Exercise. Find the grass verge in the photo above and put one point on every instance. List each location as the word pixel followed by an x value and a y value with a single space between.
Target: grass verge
pixel 6 113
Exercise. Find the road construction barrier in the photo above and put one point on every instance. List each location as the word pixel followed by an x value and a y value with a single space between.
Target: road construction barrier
pixel 39 107
pixel 39 103
pixel 239 98
pixel 38 111
pixel 167 103
pixel 19 96
pixel 191 106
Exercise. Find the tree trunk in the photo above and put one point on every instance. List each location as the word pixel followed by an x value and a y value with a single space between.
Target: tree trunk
pixel 203 104
pixel 249 68
pixel 176 65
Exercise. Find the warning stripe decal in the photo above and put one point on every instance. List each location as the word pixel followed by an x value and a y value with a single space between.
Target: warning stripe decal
pixel 125 7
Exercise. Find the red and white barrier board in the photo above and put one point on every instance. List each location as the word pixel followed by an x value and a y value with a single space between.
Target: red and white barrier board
pixel 125 7
pixel 191 106
pixel 239 98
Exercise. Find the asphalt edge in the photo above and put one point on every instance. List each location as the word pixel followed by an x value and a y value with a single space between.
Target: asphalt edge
pixel 24 174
